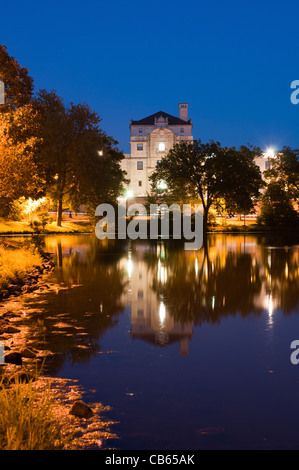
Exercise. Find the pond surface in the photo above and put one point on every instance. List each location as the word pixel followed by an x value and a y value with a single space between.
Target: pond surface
pixel 190 349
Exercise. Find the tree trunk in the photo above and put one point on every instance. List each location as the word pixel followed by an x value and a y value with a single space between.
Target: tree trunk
pixel 205 219
pixel 59 211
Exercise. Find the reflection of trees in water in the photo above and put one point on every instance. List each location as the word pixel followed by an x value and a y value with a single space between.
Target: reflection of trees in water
pixel 232 275
pixel 213 284
pixel 202 290
pixel 281 277
pixel 89 297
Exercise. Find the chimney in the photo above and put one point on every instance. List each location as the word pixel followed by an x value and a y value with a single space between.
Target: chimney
pixel 183 109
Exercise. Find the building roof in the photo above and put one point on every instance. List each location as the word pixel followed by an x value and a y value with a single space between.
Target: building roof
pixel 150 120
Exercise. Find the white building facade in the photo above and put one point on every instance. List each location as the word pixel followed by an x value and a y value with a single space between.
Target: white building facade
pixel 151 139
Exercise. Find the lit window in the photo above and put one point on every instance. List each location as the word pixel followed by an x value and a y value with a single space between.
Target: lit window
pixel 139 165
pixel 162 147
pixel 139 146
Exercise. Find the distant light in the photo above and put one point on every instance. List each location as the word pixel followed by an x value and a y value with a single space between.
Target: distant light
pixel 196 266
pixel 129 265
pixel 270 305
pixel 100 153
pixel 162 147
pixel 162 273
pixel 162 313
pixel 270 152
pixel 162 185
pixel 129 194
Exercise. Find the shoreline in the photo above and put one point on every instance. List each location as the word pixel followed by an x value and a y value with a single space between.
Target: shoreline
pixel 82 426
pixel 250 231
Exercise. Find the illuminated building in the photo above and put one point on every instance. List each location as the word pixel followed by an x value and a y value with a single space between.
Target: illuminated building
pixel 151 139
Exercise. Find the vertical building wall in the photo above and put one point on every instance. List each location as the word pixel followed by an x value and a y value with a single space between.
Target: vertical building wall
pixel 150 143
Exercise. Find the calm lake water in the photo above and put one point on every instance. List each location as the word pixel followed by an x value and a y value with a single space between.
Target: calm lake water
pixel 190 349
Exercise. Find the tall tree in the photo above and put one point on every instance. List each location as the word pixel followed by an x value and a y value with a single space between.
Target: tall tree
pixel 209 172
pixel 19 169
pixel 81 160
pixel 242 178
pixel 18 83
pixel 21 174
pixel 285 169
pixel 277 208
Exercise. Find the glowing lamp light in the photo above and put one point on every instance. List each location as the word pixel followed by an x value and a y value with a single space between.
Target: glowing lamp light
pixel 162 185
pixel 270 153
pixel 129 194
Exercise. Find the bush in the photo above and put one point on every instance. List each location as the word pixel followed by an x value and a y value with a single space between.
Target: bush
pixel 277 209
pixel 16 263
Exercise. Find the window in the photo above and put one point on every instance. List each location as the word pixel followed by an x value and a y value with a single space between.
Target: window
pixel 140 294
pixel 139 183
pixel 140 130
pixel 267 165
pixel 139 165
pixel 139 146
pixel 182 130
pixel 140 313
pixel 162 147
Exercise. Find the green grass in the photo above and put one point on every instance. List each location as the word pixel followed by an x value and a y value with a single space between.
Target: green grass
pixel 16 262
pixel 27 421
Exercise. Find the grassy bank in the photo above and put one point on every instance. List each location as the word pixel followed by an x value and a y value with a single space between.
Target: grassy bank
pixel 14 228
pixel 16 262
pixel 27 420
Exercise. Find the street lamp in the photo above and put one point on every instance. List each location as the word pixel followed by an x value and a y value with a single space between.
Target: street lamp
pixel 270 152
pixel 162 185
pixel 129 194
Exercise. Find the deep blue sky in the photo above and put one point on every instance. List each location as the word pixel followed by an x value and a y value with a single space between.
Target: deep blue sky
pixel 233 61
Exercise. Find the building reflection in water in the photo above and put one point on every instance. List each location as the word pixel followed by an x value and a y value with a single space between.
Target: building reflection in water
pixel 151 320
pixel 171 290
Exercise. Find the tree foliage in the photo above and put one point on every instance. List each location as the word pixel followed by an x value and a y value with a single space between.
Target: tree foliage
pixel 21 174
pixel 208 172
pixel 276 208
pixel 285 169
pixel 18 83
pixel 81 161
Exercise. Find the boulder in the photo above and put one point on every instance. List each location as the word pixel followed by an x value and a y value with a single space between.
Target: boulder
pixel 10 330
pixel 13 358
pixel 28 353
pixel 13 289
pixel 81 410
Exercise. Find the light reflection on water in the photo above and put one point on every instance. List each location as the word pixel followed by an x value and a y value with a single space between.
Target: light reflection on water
pixel 191 349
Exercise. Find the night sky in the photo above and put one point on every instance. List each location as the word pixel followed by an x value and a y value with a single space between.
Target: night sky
pixel 232 61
